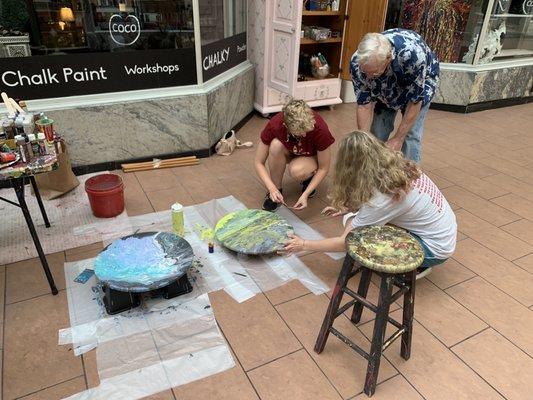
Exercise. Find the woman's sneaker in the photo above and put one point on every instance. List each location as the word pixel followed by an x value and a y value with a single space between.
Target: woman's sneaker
pixel 423 271
pixel 269 204
pixel 304 187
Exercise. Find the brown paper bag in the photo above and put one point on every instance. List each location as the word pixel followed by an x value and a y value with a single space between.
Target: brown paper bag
pixel 56 183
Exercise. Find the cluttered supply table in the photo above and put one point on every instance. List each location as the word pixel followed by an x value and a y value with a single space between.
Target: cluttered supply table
pixel 25 151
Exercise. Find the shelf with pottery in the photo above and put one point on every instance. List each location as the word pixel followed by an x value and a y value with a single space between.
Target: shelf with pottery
pixel 304 41
pixel 276 44
pixel 307 13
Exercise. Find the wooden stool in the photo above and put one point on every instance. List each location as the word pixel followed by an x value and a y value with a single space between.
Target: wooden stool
pixel 394 255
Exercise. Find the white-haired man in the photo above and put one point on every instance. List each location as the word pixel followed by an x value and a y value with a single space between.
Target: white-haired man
pixel 391 71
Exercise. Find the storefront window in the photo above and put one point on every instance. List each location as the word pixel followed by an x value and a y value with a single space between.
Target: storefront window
pixel 59 48
pixel 82 26
pixel 460 31
pixel 223 32
pixel 221 19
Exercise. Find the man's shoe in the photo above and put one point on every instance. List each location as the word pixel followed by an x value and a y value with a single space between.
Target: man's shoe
pixel 269 204
pixel 304 187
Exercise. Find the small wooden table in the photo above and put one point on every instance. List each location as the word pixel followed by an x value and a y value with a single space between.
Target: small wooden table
pixel 18 174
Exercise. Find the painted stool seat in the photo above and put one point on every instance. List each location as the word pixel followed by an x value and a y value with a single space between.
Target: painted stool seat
pixel 394 255
pixel 386 249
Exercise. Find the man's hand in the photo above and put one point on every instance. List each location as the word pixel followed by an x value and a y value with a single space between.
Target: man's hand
pixel 301 203
pixel 395 144
pixel 275 195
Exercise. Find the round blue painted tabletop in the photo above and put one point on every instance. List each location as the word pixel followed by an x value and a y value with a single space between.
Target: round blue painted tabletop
pixel 143 261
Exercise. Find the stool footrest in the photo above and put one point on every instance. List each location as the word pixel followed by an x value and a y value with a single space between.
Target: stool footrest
pixel 350 344
pixel 360 299
pixel 393 337
pixel 366 303
pixel 345 307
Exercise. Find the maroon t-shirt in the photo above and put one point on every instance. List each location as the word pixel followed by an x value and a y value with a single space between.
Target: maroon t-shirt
pixel 319 139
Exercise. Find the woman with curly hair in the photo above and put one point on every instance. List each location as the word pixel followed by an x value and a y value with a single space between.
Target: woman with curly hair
pixel 381 187
pixel 297 137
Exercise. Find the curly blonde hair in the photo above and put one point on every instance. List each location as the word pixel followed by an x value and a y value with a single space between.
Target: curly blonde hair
pixel 365 166
pixel 298 116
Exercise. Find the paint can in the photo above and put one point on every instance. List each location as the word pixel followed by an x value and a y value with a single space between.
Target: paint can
pixel 46 125
pixel 178 224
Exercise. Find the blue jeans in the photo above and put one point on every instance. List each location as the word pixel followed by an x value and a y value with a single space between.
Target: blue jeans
pixel 383 125
pixel 429 258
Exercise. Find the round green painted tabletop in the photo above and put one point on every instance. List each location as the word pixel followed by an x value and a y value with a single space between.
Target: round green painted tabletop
pixel 253 231
pixel 385 249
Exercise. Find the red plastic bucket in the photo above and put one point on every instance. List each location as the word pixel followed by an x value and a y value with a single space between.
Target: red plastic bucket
pixel 106 195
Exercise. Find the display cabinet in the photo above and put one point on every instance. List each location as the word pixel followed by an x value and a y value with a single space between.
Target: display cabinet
pixel 284 36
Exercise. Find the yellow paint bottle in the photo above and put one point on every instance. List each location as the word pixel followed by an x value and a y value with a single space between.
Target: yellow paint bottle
pixel 178 225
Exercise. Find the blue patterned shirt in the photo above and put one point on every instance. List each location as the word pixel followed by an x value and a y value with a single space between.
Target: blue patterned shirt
pixel 413 74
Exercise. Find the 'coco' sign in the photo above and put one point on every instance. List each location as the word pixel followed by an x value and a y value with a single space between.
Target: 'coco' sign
pixel 124 31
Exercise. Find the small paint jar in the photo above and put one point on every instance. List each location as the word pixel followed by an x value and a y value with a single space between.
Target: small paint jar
pixel 23 150
pixel 27 124
pixel 211 247
pixel 42 144
pixel 29 148
pixel 34 144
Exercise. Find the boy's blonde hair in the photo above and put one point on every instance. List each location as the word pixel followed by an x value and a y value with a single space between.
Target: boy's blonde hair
pixel 365 166
pixel 298 116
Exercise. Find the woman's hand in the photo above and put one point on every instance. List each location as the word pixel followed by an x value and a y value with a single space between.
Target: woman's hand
pixel 294 245
pixel 301 203
pixel 275 195
pixel 331 212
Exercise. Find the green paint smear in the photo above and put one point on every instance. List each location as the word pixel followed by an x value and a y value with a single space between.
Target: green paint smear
pixel 204 232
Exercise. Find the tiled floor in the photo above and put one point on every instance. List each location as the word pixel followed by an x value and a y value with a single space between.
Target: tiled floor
pixel 472 336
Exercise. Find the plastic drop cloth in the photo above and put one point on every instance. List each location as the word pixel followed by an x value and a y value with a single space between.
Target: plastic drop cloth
pixel 181 344
pixel 240 276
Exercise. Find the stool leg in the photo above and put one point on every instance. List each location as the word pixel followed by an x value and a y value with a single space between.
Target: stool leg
pixel 336 298
pixel 380 325
pixel 408 313
pixel 362 291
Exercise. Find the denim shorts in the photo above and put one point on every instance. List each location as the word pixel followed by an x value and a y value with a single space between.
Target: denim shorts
pixel 429 258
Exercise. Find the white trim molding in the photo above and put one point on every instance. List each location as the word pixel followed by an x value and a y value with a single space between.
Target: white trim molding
pixel 515 63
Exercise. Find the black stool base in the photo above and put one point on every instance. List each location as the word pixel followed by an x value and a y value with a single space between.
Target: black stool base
pixel 116 301
pixel 177 288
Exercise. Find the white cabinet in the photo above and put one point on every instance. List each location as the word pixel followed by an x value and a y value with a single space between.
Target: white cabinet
pixel 275 46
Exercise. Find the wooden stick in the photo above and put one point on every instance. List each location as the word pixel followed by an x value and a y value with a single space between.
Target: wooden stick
pixel 16 106
pixel 151 167
pixel 161 162
pixel 155 166
pixel 9 106
pixel 137 169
